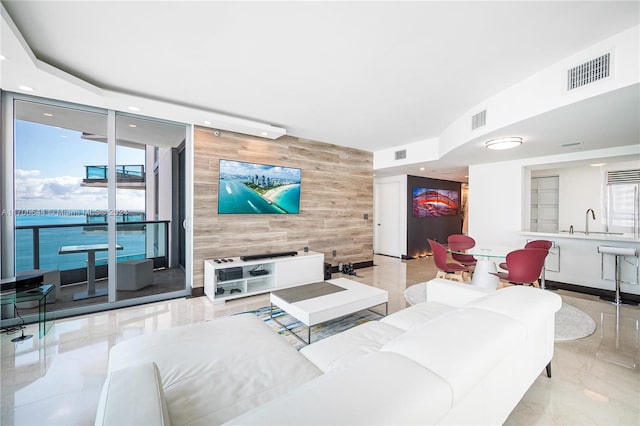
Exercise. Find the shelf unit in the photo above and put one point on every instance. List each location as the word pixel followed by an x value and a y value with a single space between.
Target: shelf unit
pixel 282 272
pixel 544 204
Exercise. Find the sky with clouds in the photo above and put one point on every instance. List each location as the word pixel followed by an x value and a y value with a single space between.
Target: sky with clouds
pixel 50 166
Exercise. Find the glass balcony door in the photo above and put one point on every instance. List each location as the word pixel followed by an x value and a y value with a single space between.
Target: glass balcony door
pixel 147 207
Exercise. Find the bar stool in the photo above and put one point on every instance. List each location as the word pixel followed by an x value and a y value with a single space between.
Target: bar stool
pixel 618 252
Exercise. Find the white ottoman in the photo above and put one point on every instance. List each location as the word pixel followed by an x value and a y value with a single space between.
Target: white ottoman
pixel 134 274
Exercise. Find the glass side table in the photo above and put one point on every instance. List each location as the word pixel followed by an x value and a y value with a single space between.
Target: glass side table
pixel 38 294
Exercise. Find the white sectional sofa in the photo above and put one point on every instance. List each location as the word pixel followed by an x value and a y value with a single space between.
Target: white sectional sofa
pixel 465 356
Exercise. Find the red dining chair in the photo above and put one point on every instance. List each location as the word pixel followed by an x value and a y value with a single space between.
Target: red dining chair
pixel 539 244
pixel 446 269
pixel 460 242
pixel 524 266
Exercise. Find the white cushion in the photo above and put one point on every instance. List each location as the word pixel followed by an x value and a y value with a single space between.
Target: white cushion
pixel 461 346
pixel 416 315
pixel 217 370
pixel 382 389
pixel 343 349
pixel 133 396
pixel 527 304
pixel 453 293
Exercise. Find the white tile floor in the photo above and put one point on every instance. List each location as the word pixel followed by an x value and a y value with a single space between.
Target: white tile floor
pixel 57 380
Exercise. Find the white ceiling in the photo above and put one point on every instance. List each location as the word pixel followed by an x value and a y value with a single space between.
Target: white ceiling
pixel 368 75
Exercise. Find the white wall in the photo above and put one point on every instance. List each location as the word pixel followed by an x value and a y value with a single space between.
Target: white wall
pixel 496 203
pixel 580 189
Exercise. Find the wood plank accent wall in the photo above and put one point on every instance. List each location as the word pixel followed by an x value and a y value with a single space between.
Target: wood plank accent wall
pixel 336 194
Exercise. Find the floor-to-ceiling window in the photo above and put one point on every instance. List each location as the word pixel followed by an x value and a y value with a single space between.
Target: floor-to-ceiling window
pixel 53 206
pixel 80 203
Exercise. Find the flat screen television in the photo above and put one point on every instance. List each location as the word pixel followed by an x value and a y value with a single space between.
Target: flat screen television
pixel 429 202
pixel 251 188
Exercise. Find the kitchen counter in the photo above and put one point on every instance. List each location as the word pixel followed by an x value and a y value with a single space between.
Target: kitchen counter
pixel 575 259
pixel 580 235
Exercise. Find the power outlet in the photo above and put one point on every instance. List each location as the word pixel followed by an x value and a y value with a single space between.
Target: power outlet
pixel 366 216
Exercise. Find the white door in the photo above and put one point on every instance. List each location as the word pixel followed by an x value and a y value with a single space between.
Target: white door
pixel 386 231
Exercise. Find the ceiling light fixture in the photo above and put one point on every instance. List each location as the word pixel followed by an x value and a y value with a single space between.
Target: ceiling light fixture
pixel 132 125
pixel 207 122
pixel 26 88
pixel 2 57
pixel 597 164
pixel 133 108
pixel 47 114
pixel 503 143
pixel 264 133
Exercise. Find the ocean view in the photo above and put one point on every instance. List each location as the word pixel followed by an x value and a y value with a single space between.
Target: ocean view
pixel 133 242
pixel 287 198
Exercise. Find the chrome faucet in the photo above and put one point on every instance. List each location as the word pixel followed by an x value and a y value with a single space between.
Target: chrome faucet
pixel 586 220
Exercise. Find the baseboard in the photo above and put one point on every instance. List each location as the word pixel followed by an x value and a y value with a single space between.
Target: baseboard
pixel 196 292
pixel 603 294
pixel 366 264
pixel 356 265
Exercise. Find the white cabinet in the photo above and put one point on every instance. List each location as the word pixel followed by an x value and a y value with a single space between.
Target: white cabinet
pixel 237 278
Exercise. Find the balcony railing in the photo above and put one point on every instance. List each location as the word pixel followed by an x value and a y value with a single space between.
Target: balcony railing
pixel 125 174
pixel 39 250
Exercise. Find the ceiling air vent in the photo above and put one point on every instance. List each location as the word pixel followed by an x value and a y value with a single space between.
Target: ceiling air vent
pixel 479 120
pixel 623 176
pixel 594 70
pixel 401 155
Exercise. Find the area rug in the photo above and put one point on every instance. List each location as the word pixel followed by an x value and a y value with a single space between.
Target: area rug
pixel 318 332
pixel 571 322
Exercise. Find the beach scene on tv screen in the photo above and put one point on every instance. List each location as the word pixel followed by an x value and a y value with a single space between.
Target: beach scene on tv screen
pixel 434 202
pixel 248 188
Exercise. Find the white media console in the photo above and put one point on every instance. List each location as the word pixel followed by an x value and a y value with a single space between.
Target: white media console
pixel 281 272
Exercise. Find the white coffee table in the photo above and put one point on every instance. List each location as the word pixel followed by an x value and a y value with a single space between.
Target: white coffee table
pixel 313 304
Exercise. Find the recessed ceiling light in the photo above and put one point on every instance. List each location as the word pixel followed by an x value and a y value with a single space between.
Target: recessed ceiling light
pixel 597 164
pixel 134 108
pixel 47 114
pixel 421 169
pixel 503 143
pixel 207 122
pixel 26 88
pixel 2 57
pixel 264 134
pixel 132 125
